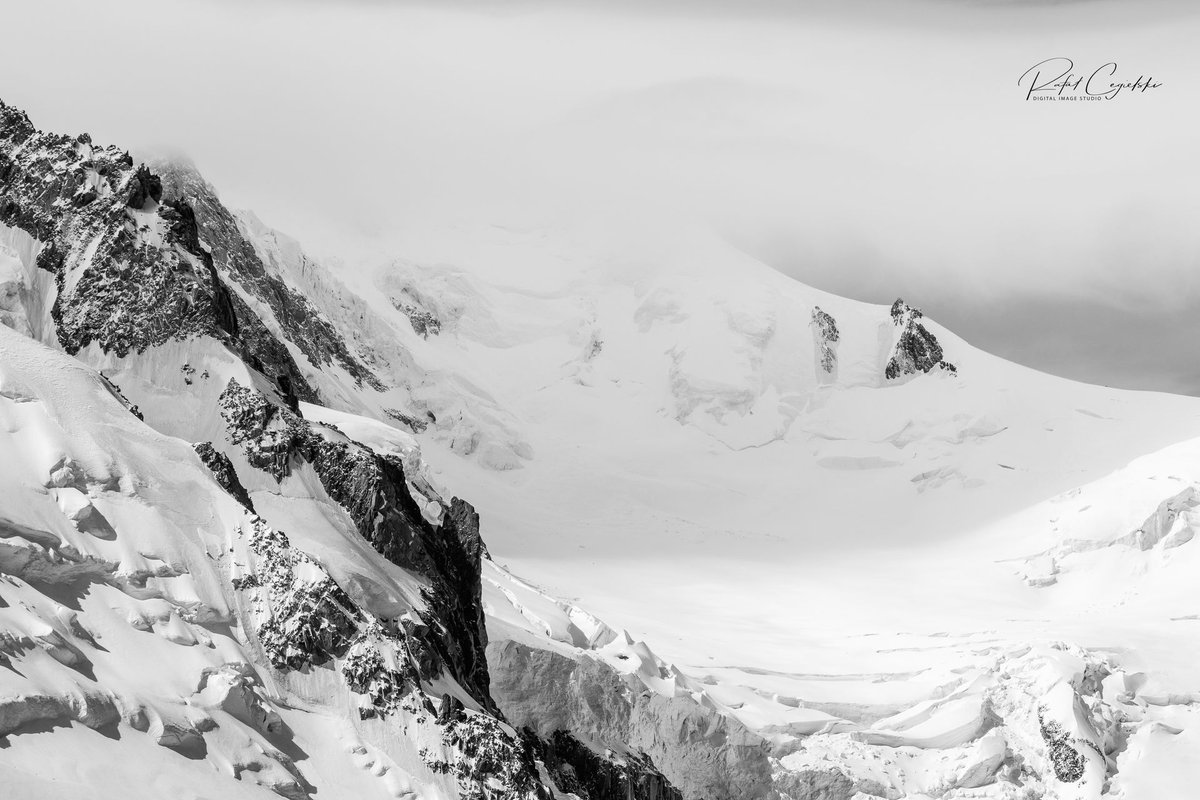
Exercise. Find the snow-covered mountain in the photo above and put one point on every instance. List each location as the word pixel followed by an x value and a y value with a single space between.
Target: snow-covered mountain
pixel 828 552
pixel 870 560
pixel 195 574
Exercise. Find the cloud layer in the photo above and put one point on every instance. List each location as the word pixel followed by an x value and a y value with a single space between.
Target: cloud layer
pixel 868 148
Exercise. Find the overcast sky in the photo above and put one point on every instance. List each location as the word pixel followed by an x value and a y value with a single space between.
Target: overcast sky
pixel 872 149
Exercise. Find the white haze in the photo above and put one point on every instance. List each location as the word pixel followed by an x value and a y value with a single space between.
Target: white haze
pixel 870 149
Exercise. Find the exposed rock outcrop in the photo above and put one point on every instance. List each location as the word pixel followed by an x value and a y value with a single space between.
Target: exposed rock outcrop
pixel 301 618
pixel 117 393
pixel 578 769
pixel 828 784
pixel 222 469
pixel 916 349
pixel 133 258
pixel 424 323
pixel 373 490
pixel 1068 763
pixel 487 762
pixel 706 755
pixel 825 341
pixel 138 258
pixel 145 187
pixel 231 253
pixel 416 424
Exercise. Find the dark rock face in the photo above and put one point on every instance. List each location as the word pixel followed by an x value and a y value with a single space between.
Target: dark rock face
pixel 301 622
pixel 1068 762
pixel 486 754
pixel 231 253
pixel 222 469
pixel 705 755
pixel 305 622
pixel 413 423
pixel 461 594
pixel 140 259
pixel 547 691
pixel 287 393
pixel 116 392
pixel 825 337
pixel 374 492
pixel 424 323
pixel 367 672
pixel 145 187
pixel 917 350
pixel 182 221
pixel 578 769
pixel 309 621
pixel 136 258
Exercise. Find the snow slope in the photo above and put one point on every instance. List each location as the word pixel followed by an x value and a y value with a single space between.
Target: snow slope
pixel 674 412
pixel 201 591
pixel 851 544
pixel 130 668
pixel 872 560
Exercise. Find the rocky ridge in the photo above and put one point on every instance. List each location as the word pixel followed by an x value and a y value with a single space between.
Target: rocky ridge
pixel 134 261
pixel 129 268
pixel 374 491
pixel 303 618
pixel 297 320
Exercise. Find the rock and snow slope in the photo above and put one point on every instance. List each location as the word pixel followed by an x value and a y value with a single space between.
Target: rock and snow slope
pixel 274 606
pixel 678 413
pixel 825 544
pixel 886 564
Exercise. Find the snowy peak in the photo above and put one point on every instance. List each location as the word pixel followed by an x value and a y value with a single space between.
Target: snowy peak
pixel 315 601
pixel 119 257
pixel 284 309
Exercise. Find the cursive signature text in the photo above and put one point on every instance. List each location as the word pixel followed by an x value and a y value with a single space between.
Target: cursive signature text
pixel 1056 78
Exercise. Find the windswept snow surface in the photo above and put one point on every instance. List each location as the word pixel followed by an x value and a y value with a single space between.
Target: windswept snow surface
pixel 129 665
pixel 824 550
pixel 683 446
pixel 974 581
